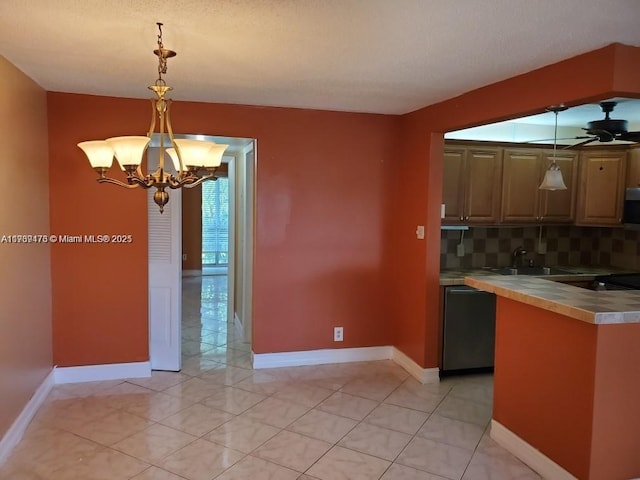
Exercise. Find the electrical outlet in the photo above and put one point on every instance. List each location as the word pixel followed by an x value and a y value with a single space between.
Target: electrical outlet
pixel 460 250
pixel 184 257
pixel 338 334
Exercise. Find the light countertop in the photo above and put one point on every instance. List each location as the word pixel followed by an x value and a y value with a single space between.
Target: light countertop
pixel 577 274
pixel 598 307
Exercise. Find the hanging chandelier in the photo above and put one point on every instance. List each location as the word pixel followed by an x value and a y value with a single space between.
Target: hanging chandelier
pixel 194 161
pixel 553 176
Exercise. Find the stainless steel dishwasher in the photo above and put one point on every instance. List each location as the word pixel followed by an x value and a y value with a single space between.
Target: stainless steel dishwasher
pixel 469 329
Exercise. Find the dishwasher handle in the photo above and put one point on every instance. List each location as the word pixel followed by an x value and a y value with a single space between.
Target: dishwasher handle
pixel 463 289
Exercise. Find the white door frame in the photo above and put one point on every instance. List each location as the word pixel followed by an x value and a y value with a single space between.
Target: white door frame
pixel 160 308
pixel 231 269
pixel 248 157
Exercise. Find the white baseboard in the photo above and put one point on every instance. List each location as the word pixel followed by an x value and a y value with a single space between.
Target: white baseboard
pixel 238 326
pixel 13 436
pixel 344 355
pixel 423 375
pixel 318 357
pixel 94 373
pixel 538 461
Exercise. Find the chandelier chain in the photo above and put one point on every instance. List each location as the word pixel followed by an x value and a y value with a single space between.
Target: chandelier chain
pixel 162 59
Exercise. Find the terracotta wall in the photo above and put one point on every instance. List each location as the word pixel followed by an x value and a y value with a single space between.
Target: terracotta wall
pixel 413 265
pixel 99 290
pixel 544 382
pixel 192 228
pixel 319 233
pixel 616 419
pixel 569 389
pixel 25 280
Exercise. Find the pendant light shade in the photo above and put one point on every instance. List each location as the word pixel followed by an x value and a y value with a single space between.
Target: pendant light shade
pixel 553 176
pixel 553 179
pixel 99 152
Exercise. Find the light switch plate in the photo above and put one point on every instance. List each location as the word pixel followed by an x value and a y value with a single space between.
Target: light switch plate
pixel 420 232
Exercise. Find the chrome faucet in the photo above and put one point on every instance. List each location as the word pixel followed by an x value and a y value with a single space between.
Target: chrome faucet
pixel 517 253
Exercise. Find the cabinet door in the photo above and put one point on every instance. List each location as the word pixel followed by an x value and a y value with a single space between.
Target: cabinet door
pixel 633 168
pixel 602 180
pixel 558 206
pixel 453 184
pixel 483 185
pixel 520 182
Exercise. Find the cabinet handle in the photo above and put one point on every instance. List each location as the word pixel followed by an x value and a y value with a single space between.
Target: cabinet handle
pixel 461 218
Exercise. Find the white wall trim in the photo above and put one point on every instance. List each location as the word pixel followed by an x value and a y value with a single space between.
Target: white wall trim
pixel 423 375
pixel 238 325
pixel 538 461
pixel 13 436
pixel 318 357
pixel 94 373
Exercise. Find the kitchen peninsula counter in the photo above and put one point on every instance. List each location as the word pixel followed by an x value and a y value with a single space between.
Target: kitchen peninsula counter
pixel 567 377
pixel 456 276
pixel 598 307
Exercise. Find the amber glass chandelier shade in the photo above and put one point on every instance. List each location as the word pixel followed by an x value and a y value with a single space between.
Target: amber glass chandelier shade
pixel 193 152
pixel 199 154
pixel 99 153
pixel 214 157
pixel 129 150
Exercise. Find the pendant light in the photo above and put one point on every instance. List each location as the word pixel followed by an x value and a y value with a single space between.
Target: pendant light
pixel 194 161
pixel 553 176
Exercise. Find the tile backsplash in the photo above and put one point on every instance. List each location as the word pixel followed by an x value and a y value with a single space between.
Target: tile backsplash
pixel 565 245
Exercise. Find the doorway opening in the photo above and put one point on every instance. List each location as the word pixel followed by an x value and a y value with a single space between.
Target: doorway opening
pixel 212 325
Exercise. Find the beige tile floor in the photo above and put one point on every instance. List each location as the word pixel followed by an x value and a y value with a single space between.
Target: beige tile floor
pixel 219 419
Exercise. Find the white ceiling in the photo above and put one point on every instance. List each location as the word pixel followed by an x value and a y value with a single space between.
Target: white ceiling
pixel 540 128
pixel 383 56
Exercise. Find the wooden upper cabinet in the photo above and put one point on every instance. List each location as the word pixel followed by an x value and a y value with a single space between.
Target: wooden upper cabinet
pixel 520 181
pixel 633 168
pixel 453 184
pixel 601 187
pixel 483 192
pixel 559 206
pixel 471 184
pixel 522 199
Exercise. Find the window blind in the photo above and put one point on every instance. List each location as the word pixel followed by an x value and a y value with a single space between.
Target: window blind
pixel 215 222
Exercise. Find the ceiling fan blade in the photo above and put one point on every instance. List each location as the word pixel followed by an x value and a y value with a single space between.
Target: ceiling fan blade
pixel 603 135
pixel 580 144
pixel 552 139
pixel 629 136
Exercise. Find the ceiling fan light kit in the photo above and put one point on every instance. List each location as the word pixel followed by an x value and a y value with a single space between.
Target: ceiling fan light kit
pixel 553 176
pixel 194 161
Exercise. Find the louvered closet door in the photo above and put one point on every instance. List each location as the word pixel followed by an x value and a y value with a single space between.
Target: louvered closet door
pixel 165 287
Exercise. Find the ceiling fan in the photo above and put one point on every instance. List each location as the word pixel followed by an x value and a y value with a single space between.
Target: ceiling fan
pixel 607 129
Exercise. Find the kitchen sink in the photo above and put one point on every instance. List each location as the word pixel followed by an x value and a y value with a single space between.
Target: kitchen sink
pixel 530 271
